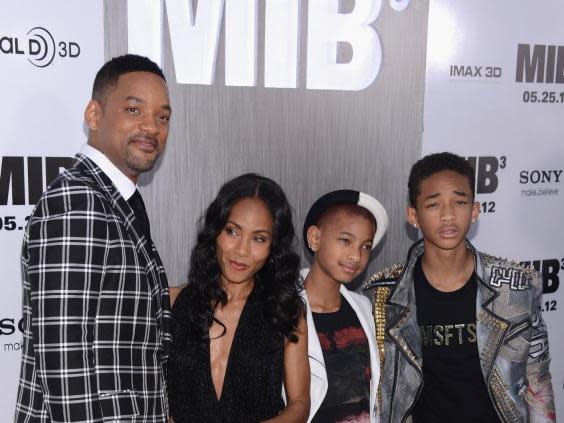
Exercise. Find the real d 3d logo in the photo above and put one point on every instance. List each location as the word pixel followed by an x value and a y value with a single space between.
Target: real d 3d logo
pixel 39 46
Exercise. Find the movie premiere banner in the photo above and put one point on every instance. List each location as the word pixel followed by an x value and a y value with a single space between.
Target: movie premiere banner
pixel 495 94
pixel 49 54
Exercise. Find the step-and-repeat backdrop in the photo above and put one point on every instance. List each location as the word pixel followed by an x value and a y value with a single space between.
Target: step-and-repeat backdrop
pixel 49 54
pixel 495 94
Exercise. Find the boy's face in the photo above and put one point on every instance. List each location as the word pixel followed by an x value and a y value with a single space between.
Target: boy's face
pixel 444 209
pixel 342 245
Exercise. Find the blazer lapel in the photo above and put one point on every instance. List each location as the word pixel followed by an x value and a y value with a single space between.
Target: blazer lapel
pixel 120 206
pixel 314 347
pixel 150 260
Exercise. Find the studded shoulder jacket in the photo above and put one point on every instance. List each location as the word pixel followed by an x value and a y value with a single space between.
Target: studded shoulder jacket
pixel 511 336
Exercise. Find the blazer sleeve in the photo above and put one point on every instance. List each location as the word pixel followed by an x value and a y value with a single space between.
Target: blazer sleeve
pixel 66 252
pixel 539 396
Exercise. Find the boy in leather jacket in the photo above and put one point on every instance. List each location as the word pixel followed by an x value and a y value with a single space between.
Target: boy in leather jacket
pixel 460 333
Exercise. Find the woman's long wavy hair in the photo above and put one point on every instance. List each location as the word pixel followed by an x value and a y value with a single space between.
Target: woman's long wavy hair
pixel 276 283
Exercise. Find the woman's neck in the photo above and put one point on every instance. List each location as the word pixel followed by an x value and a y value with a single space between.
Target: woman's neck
pixel 237 291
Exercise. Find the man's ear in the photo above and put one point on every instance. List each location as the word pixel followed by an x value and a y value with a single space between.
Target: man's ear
pixel 411 215
pixel 313 236
pixel 475 211
pixel 92 114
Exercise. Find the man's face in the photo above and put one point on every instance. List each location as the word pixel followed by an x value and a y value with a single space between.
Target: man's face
pixel 444 210
pixel 342 245
pixel 130 124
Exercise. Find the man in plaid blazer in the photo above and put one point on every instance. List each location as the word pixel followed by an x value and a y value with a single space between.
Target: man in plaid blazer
pixel 95 295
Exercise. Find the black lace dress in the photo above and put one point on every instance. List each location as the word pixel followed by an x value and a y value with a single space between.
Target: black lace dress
pixel 252 388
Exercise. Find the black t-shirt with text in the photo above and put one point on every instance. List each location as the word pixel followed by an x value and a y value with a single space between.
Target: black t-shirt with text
pixel 453 384
pixel 347 360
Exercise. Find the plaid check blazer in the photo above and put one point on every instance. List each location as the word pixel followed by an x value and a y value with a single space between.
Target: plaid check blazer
pixel 96 308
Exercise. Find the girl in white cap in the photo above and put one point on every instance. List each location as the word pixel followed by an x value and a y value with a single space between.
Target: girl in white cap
pixel 340 230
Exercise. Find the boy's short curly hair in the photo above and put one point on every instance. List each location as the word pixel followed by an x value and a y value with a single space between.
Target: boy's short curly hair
pixel 434 163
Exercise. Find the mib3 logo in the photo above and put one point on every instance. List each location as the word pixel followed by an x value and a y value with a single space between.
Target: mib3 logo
pixel 39 46
pixel 540 63
pixel 549 270
pixel 486 169
pixel 26 177
pixel 343 47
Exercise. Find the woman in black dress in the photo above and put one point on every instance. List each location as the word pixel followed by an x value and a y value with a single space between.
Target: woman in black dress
pixel 240 334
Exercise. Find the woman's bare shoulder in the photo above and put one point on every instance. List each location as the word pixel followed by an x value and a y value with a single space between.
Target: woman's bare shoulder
pixel 173 292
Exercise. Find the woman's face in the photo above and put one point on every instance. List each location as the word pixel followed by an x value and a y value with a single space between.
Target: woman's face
pixel 243 245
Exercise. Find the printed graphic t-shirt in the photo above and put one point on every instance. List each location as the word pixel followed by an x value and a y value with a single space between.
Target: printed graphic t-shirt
pixel 453 385
pixel 347 360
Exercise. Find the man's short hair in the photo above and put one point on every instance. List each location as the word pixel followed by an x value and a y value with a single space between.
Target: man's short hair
pixel 434 163
pixel 109 74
